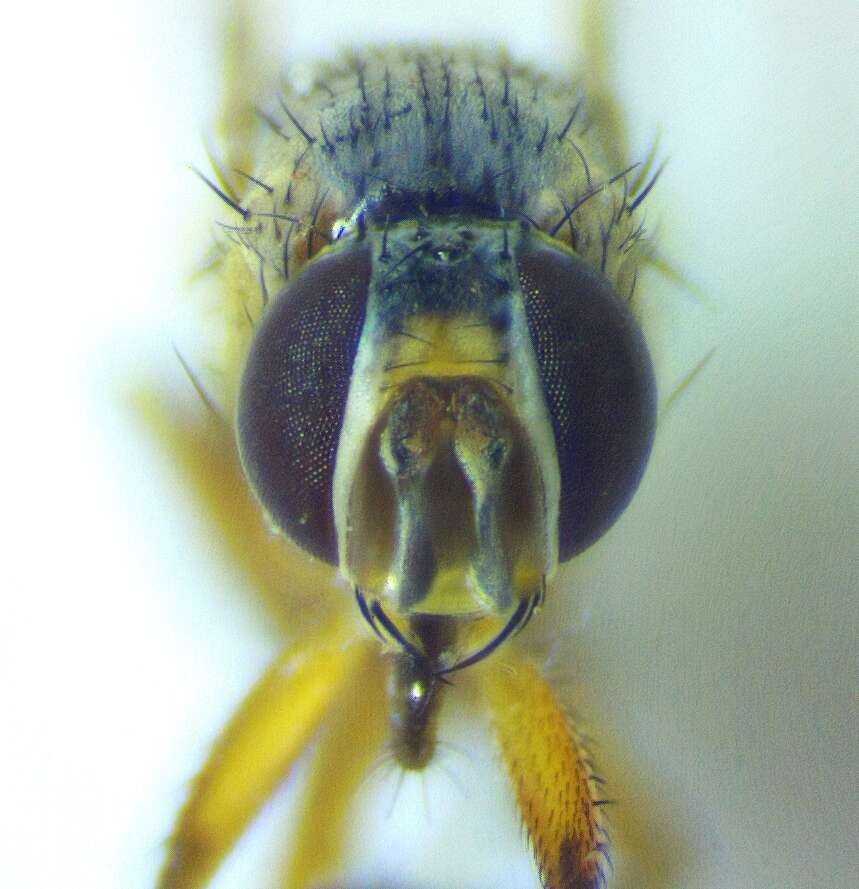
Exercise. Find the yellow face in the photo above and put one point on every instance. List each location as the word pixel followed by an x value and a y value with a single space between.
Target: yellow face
pixel 436 384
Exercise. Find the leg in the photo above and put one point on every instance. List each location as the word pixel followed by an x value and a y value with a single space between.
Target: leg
pixel 281 715
pixel 351 743
pixel 259 747
pixel 555 788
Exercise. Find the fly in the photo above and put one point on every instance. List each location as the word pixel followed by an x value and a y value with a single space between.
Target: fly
pixel 443 393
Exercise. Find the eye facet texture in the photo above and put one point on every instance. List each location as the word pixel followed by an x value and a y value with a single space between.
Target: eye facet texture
pixel 294 392
pixel 599 389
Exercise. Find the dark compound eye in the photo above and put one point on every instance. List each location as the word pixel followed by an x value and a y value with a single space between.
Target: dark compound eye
pixel 294 391
pixel 599 389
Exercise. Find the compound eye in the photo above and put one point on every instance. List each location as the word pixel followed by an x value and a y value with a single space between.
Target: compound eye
pixel 598 384
pixel 293 395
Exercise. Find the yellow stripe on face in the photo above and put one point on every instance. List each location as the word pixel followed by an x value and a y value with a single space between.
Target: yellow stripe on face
pixel 270 731
pixel 550 774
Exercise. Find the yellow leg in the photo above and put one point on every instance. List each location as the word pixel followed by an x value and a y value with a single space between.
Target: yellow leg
pixel 555 789
pixel 352 742
pixel 323 678
pixel 281 715
pixel 270 731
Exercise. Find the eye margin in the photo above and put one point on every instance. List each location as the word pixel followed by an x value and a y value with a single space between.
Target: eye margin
pixel 598 383
pixel 293 394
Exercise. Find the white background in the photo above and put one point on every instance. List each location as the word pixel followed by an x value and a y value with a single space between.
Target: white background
pixel 710 639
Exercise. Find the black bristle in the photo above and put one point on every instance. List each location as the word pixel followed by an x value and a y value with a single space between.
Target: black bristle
pixel 308 138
